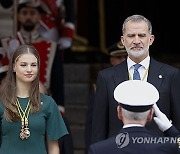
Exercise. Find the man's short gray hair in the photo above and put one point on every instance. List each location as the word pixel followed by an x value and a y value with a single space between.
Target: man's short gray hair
pixel 135 115
pixel 137 18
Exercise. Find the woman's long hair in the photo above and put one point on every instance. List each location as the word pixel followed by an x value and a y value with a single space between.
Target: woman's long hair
pixel 9 92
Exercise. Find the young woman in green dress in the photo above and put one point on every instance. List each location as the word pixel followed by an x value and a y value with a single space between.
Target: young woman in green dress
pixel 30 121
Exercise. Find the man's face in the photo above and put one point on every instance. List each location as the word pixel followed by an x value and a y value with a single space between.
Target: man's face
pixel 137 40
pixel 28 17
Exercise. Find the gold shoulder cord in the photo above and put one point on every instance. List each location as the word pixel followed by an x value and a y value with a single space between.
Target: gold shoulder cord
pixel 25 133
pixel 145 74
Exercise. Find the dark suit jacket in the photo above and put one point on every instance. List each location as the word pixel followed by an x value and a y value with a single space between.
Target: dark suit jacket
pixel 165 78
pixel 134 146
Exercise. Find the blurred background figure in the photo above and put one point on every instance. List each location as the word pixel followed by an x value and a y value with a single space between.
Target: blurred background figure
pixel 57 22
pixel 117 53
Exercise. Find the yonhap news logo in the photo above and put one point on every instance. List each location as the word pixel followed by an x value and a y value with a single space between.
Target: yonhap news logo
pixel 123 139
pixel 154 140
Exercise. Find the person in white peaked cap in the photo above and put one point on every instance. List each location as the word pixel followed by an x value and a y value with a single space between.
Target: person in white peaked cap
pixel 135 100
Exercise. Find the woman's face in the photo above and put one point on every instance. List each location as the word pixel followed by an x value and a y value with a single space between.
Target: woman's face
pixel 26 68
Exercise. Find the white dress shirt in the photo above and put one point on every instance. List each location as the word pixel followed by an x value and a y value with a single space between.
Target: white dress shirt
pixel 143 70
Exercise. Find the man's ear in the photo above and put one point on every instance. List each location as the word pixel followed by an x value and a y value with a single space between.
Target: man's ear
pixel 119 111
pixel 150 115
pixel 152 37
pixel 122 39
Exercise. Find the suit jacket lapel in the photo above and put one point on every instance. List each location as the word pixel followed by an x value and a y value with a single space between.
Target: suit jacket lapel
pixel 120 73
pixel 155 74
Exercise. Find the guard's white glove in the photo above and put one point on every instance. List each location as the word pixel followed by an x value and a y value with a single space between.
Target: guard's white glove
pixel 161 119
pixel 66 35
pixel 64 43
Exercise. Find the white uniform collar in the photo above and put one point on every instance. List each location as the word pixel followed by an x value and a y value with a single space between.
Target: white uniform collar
pixel 132 125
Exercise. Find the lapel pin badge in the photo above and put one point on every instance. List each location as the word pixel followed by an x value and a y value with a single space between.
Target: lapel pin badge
pixel 160 76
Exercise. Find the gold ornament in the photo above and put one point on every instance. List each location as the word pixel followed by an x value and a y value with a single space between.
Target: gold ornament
pixel 25 133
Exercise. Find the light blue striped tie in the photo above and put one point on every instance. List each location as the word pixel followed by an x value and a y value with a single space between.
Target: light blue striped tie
pixel 136 75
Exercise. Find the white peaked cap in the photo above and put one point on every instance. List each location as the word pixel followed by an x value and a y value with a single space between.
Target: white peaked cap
pixel 136 95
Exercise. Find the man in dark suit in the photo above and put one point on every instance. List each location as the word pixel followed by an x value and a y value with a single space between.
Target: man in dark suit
pixel 137 37
pixel 135 99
